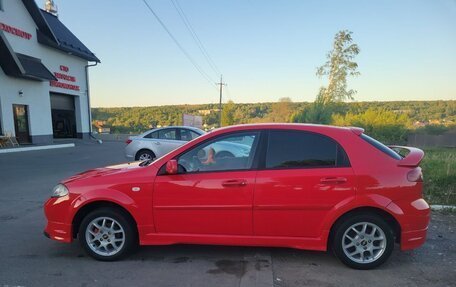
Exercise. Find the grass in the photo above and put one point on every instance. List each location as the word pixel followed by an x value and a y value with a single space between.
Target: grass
pixel 439 170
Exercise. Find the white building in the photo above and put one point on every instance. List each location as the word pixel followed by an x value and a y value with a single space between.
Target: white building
pixel 43 76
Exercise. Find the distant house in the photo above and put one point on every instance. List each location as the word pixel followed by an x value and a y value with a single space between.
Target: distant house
pixel 43 75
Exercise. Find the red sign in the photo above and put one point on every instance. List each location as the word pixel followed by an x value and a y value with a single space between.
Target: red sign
pixel 64 85
pixel 15 31
pixel 64 77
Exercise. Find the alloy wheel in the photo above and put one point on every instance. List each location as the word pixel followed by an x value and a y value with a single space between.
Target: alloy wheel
pixel 105 236
pixel 364 242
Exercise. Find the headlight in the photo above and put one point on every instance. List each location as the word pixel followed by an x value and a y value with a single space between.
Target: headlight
pixel 59 190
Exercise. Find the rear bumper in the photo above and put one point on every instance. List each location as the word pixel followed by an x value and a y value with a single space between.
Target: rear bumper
pixel 414 220
pixel 413 239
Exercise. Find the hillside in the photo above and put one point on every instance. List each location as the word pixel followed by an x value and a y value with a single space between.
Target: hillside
pixel 137 119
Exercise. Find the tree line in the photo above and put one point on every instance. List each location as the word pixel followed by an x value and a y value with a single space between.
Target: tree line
pixel 409 115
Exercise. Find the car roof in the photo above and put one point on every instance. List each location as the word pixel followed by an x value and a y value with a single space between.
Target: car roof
pixel 291 126
pixel 176 127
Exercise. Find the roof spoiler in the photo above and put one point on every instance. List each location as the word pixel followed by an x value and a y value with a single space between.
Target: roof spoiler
pixel 357 131
pixel 412 159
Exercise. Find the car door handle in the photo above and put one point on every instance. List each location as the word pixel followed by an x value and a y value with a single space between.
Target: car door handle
pixel 234 183
pixel 333 180
pixel 157 143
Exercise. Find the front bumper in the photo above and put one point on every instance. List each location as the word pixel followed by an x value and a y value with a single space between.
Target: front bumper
pixel 58 231
pixel 58 226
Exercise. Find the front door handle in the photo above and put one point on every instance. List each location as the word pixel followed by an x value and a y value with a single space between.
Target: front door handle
pixel 157 143
pixel 333 180
pixel 234 182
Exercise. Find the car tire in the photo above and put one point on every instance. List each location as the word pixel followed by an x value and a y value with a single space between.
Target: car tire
pixel 363 241
pixel 144 155
pixel 107 234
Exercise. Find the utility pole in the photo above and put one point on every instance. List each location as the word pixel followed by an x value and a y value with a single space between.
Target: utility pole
pixel 221 84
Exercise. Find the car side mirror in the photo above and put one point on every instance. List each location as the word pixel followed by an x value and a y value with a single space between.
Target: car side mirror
pixel 171 167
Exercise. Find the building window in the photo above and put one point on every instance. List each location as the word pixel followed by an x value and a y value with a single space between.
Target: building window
pixel 1 5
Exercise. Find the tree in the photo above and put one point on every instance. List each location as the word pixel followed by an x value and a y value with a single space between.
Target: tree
pixel 316 113
pixel 228 113
pixel 339 65
pixel 281 111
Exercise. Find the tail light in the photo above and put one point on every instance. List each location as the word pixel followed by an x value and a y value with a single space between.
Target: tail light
pixel 415 175
pixel 128 141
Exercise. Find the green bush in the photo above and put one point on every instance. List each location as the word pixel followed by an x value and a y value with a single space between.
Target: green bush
pixel 386 126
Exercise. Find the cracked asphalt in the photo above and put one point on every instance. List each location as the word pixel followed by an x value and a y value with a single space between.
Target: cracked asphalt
pixel 27 258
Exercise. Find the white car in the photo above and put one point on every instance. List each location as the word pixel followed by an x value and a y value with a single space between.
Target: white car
pixel 158 142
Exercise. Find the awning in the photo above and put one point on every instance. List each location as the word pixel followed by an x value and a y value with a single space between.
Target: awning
pixel 22 66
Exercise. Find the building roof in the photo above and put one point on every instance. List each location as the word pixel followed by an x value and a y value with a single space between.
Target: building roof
pixel 53 33
pixel 22 66
pixel 68 42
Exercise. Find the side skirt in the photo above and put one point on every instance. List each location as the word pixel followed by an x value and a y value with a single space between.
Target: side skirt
pixel 319 243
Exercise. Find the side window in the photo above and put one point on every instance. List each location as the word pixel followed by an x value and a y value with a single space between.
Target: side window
pixel 296 149
pixel 1 6
pixel 187 135
pixel 230 152
pixel 167 134
pixel 152 135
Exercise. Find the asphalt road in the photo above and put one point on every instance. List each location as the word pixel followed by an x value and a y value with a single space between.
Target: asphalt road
pixel 27 258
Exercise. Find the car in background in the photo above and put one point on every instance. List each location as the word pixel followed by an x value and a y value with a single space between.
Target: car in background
pixel 302 186
pixel 158 142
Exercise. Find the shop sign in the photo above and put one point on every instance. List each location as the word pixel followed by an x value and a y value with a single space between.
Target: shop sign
pixel 15 31
pixel 63 75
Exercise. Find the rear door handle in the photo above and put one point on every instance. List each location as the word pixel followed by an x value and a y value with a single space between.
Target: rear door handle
pixel 234 182
pixel 333 180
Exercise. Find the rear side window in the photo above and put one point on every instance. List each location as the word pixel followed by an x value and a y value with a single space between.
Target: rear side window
pixel 380 146
pixel 152 135
pixel 187 135
pixel 296 149
pixel 168 134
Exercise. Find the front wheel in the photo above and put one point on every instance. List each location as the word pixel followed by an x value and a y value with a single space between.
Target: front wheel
pixel 144 155
pixel 363 241
pixel 107 234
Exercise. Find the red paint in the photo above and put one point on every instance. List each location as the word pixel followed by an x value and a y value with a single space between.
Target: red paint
pixel 15 31
pixel 289 207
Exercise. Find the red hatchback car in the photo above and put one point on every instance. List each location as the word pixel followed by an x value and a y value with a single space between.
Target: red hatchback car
pixel 287 185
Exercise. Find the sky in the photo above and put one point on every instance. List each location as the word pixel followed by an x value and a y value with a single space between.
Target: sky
pixel 265 49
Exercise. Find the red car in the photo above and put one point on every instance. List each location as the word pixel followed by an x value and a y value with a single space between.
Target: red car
pixel 287 185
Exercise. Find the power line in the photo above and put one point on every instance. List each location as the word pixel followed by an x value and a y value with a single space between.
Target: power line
pixel 197 67
pixel 195 37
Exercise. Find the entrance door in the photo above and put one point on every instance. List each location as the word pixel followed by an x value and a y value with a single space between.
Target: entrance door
pixel 21 123
pixel 63 116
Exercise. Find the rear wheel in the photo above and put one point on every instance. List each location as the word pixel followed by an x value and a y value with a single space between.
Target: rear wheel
pixel 363 241
pixel 143 155
pixel 107 234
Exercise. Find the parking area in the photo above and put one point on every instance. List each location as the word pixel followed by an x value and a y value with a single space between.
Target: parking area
pixel 27 258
